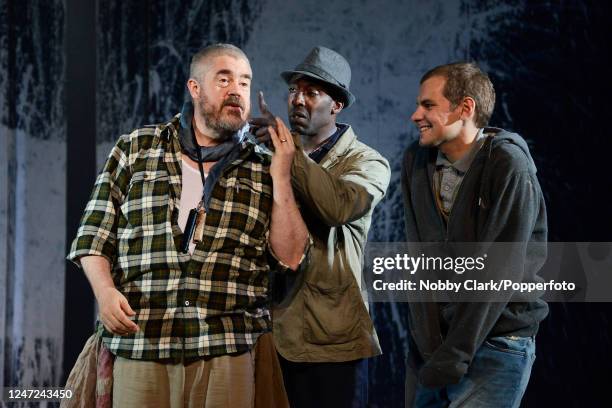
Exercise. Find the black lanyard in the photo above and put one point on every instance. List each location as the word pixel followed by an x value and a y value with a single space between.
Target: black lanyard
pixel 200 166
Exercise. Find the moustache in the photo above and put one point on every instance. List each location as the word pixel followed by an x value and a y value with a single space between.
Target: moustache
pixel 233 101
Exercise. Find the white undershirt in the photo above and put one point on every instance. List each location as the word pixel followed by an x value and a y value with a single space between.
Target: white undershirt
pixel 191 194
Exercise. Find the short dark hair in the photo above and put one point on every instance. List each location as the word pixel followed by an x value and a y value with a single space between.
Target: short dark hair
pixel 466 79
pixel 200 58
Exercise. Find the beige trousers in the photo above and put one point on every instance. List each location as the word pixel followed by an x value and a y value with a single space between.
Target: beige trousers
pixel 220 382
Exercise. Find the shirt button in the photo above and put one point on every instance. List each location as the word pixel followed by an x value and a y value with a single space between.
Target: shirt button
pixel 446 187
pixel 186 303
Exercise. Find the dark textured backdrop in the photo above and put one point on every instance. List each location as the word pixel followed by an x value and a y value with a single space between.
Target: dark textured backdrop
pixel 546 59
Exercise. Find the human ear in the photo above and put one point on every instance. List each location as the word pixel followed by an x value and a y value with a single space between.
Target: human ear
pixel 468 108
pixel 194 88
pixel 336 107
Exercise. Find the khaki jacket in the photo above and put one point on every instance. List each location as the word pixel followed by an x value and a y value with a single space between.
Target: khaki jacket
pixel 325 318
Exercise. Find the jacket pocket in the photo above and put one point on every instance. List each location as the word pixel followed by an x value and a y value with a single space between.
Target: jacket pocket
pixel 331 315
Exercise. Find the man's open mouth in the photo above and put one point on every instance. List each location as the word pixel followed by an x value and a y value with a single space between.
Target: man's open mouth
pixel 299 115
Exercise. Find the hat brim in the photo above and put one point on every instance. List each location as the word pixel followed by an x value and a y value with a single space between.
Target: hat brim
pixel 348 97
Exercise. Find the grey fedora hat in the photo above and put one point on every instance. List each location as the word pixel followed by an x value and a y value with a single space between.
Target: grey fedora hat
pixel 327 66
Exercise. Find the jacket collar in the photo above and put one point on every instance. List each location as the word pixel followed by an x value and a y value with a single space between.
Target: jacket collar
pixel 342 146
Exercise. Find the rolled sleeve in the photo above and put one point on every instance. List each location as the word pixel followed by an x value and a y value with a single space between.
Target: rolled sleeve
pixel 97 233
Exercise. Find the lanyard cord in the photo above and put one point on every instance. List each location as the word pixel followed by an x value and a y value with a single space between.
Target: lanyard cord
pixel 199 153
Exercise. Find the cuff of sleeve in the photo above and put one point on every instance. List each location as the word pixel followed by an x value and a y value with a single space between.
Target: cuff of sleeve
pixel 90 245
pixel 435 373
pixel 282 267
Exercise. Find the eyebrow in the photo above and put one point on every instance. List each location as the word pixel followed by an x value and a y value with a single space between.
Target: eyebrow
pixel 229 72
pixel 423 101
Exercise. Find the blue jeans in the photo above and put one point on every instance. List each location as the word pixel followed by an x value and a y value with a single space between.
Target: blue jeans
pixel 497 377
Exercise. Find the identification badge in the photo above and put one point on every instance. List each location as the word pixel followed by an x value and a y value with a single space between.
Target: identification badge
pixel 198 234
pixel 194 228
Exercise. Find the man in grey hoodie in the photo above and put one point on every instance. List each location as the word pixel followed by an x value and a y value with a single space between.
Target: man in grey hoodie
pixel 465 182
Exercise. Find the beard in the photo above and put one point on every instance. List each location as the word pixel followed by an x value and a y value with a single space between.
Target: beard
pixel 225 124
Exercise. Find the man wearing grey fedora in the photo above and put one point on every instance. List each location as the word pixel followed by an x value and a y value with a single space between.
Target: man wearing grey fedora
pixel 322 329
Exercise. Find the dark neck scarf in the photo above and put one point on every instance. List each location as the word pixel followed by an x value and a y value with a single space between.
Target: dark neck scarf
pixel 189 144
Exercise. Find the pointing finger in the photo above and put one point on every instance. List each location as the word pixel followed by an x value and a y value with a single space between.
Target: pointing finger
pixel 263 106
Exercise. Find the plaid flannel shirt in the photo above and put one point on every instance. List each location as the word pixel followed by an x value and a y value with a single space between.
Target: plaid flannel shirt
pixel 213 302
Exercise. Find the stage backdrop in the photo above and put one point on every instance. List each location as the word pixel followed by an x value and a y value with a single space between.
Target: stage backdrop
pixel 545 60
pixel 32 192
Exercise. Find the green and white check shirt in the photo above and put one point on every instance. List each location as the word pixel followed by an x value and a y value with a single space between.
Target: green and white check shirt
pixel 211 303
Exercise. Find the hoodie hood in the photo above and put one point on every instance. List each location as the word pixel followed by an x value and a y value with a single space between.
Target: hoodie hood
pixel 502 136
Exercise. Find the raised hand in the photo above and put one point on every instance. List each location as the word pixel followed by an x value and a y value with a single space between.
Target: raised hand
pixel 259 126
pixel 284 150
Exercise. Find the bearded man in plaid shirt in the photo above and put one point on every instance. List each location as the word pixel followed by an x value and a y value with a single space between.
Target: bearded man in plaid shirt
pixel 176 241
